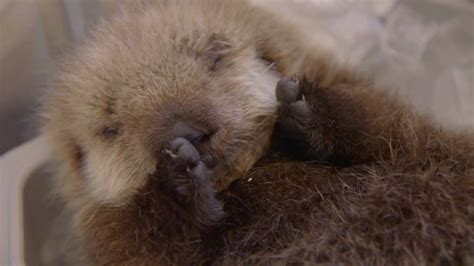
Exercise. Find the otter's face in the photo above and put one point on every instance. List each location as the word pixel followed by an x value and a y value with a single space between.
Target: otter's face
pixel 114 109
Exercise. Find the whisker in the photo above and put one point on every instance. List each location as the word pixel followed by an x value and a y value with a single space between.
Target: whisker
pixel 268 68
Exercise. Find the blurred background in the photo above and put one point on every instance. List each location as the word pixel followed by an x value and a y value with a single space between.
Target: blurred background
pixel 422 50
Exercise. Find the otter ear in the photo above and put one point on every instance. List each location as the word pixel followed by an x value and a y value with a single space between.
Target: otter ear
pixel 217 49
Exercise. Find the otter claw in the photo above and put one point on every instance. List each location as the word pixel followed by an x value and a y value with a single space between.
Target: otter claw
pixel 170 153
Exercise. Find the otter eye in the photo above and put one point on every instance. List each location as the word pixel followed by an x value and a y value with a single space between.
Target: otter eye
pixel 110 132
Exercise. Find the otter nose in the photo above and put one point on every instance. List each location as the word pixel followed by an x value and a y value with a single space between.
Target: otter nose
pixel 184 130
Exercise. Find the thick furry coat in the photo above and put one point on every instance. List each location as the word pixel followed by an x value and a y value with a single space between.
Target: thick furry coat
pixel 372 182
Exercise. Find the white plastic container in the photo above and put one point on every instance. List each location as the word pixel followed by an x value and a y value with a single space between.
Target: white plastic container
pixel 16 168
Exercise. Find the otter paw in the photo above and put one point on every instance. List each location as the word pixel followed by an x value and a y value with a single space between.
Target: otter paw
pixel 294 112
pixel 190 181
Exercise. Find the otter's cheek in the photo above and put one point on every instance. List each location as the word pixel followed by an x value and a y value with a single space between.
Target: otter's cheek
pixel 242 162
pixel 113 178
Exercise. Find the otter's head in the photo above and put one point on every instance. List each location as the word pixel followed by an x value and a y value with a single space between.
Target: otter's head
pixel 116 102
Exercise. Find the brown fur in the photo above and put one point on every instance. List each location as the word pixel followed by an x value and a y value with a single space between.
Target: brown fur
pixel 412 206
pixel 400 190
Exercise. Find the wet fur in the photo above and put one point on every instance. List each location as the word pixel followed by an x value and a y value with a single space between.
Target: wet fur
pixel 379 184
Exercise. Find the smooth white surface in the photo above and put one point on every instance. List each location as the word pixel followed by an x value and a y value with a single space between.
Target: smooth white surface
pixel 15 168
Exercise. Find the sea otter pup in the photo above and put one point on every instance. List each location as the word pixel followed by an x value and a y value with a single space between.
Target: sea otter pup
pixel 159 123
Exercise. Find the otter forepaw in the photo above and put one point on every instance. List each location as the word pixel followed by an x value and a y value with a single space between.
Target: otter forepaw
pixel 294 112
pixel 190 180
